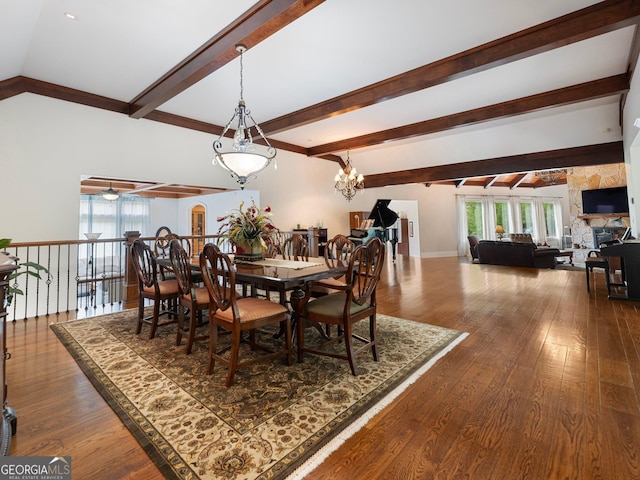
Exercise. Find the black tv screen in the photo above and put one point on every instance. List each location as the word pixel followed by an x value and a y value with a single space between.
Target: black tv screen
pixel 605 200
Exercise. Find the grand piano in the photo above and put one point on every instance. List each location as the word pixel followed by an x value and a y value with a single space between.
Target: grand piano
pixel 629 253
pixel 381 220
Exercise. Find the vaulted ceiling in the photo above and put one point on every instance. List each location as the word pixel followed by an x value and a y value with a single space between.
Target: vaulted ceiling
pixel 327 77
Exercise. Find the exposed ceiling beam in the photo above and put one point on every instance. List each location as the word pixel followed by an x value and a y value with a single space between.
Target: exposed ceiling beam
pixel 259 22
pixel 603 87
pixel 18 85
pixel 185 122
pixel 517 180
pixel 460 182
pixel 490 181
pixel 601 154
pixel 595 20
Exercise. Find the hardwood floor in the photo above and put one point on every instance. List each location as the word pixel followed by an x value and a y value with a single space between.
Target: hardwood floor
pixel 544 386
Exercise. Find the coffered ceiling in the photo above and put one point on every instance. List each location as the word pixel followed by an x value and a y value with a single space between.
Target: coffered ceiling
pixel 323 77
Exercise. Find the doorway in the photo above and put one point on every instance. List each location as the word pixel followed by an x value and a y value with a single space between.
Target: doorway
pixel 197 228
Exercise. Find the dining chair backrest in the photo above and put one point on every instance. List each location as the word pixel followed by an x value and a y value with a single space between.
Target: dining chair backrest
pixel 181 267
pixel 365 268
pixel 219 277
pixel 295 248
pixel 272 248
pixel 144 262
pixel 338 251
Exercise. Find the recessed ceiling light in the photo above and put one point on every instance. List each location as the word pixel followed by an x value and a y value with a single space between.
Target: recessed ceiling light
pixel 70 16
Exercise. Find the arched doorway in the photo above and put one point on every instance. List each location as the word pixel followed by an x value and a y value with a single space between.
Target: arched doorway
pixel 198 228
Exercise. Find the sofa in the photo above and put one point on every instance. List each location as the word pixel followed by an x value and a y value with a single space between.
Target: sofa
pixel 516 254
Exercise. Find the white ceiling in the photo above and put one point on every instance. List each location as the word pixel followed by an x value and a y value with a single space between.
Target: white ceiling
pixel 118 48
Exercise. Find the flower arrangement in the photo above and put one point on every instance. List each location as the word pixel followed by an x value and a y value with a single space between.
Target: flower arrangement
pixel 247 227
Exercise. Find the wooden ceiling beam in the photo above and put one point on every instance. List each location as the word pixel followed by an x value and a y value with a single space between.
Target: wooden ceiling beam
pixel 256 24
pixel 595 20
pixel 490 181
pixel 603 87
pixel 515 183
pixel 600 154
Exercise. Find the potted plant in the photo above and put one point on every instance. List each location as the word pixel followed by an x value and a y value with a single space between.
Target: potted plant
pixel 248 230
pixel 30 268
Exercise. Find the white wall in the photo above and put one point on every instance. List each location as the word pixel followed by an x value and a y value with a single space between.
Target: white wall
pixel 164 213
pixel 215 205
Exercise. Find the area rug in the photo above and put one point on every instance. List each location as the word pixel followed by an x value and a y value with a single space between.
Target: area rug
pixel 275 422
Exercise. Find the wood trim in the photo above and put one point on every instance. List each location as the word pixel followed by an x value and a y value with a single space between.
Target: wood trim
pixel 595 20
pixel 603 87
pixel 256 24
pixel 601 154
pixel 12 87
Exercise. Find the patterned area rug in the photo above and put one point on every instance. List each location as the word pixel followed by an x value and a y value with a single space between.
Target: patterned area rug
pixel 275 422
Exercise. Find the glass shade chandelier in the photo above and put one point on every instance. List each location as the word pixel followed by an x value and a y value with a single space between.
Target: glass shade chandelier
pixel 242 160
pixel 110 194
pixel 551 177
pixel 348 181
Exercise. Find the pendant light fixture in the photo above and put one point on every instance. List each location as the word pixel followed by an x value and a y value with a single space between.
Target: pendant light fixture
pixel 348 181
pixel 110 194
pixel 242 160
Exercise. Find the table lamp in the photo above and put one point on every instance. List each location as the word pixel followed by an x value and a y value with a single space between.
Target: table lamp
pixel 499 231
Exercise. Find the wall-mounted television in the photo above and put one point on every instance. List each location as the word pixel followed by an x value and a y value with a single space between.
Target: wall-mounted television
pixel 605 201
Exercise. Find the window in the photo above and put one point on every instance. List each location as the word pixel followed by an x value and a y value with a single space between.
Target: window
pixel 474 218
pixel 502 215
pixel 112 218
pixel 480 214
pixel 526 214
pixel 550 219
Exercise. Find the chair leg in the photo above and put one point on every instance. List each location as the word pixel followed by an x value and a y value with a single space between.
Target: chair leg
pixel 348 342
pixel 300 338
pixel 213 345
pixel 288 342
pixel 193 322
pixel 154 320
pixel 587 270
pixel 372 336
pixel 233 356
pixel 180 325
pixel 140 315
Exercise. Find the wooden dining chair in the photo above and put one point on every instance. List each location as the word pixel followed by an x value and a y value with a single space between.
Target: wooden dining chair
pixel 162 249
pixel 353 302
pixel 237 315
pixel 192 298
pixel 295 248
pixel 151 286
pixel 337 253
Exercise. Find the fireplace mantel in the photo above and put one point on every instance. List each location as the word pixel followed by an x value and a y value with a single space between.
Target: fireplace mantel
pixel 590 216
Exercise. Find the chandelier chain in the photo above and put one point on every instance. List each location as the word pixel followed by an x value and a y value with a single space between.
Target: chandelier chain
pixel 241 75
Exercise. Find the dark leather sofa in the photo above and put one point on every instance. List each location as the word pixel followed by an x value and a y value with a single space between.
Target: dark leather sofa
pixel 516 254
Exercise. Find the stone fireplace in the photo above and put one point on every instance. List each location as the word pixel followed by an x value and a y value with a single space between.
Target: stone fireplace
pixel 583 227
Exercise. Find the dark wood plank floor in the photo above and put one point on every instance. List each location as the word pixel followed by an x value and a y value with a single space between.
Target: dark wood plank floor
pixel 545 386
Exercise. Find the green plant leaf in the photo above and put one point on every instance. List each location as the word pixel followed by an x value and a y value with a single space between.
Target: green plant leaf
pixel 4 243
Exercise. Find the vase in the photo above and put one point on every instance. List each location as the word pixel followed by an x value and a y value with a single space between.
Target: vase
pixel 249 251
